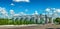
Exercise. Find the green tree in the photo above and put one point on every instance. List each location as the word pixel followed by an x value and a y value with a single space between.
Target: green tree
pixel 57 20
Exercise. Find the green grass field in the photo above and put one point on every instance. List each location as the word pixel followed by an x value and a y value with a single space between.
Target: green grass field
pixel 5 21
pixel 14 22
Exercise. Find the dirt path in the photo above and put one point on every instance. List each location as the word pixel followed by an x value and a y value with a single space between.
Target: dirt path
pixel 33 27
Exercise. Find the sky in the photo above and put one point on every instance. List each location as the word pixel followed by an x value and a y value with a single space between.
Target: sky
pixel 28 6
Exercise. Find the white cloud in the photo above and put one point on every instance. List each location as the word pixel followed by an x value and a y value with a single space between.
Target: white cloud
pixel 58 10
pixel 56 14
pixel 3 11
pixel 12 12
pixel 48 10
pixel 22 13
pixel 21 0
pixel 0 9
pixel 54 11
pixel 16 14
pixel 50 13
pixel 36 12
pixel 12 4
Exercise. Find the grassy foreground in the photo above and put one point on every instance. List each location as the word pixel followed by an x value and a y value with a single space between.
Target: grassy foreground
pixel 6 21
pixel 14 22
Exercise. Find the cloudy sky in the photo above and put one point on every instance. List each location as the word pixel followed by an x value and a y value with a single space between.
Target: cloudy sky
pixel 27 6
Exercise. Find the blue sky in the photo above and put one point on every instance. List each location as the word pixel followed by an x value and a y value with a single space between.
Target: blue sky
pixel 29 7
